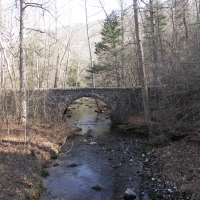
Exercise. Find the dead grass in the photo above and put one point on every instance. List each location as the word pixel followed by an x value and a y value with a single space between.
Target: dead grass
pixel 136 121
pixel 20 164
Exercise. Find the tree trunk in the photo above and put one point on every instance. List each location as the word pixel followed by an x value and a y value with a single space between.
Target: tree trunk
pixel 89 45
pixel 57 70
pixel 22 68
pixel 141 71
pixel 58 54
pixel 36 63
pixel 48 61
pixel 185 22
pixel 197 4
pixel 66 68
pixel 122 44
pixel 2 69
pixel 8 63
pixel 1 50
pixel 154 45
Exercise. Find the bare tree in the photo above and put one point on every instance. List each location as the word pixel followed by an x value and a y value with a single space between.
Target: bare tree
pixel 141 70
pixel 121 2
pixel 22 65
pixel 58 49
pixel 89 44
pixel 154 44
pixel 1 53
pixel 68 49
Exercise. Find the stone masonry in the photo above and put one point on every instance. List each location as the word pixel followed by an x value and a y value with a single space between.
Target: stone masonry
pixel 122 102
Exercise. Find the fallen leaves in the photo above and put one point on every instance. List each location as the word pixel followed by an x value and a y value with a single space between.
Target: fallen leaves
pixel 20 164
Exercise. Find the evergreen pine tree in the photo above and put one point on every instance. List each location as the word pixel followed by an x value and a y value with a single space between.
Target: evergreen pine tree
pixel 107 50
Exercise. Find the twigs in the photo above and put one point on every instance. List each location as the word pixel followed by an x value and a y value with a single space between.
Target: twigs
pixel 68 150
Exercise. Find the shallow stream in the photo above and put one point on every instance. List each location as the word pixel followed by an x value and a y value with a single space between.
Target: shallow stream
pixel 99 155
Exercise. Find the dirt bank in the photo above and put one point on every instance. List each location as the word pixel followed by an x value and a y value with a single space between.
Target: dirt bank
pixel 21 164
pixel 171 169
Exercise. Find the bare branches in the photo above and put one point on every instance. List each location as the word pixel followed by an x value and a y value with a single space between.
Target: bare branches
pixel 37 5
pixel 103 7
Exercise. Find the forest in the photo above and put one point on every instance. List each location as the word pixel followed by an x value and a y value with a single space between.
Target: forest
pixel 61 56
pixel 143 43
pixel 152 44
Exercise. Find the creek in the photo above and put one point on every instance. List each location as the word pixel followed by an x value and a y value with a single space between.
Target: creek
pixel 99 154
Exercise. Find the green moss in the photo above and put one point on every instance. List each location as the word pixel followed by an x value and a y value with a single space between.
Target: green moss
pixel 158 144
pixel 32 193
pixel 101 144
pixel 73 164
pixel 152 196
pixel 98 111
pixel 187 189
pixel 109 149
pixel 55 164
pixel 115 98
pixel 44 173
pixel 121 126
pixel 97 187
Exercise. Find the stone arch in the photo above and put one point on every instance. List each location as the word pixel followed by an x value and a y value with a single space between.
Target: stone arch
pixel 93 95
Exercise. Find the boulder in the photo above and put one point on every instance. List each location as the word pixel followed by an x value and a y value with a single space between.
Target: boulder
pixel 129 194
pixel 53 153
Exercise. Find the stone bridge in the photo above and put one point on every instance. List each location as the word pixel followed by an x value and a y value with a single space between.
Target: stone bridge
pixel 122 102
pixel 47 105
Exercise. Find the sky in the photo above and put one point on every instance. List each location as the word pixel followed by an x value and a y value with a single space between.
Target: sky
pixel 74 10
pixel 69 12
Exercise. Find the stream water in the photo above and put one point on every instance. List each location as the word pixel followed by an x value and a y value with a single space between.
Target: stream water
pixel 99 155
